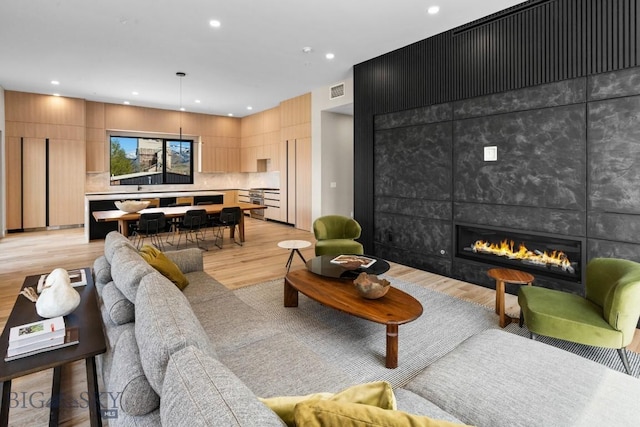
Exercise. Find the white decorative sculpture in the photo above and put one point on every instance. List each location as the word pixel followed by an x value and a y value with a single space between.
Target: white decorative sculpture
pixel 58 297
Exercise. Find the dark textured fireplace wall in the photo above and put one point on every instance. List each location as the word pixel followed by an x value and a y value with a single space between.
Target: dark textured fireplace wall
pixel 568 164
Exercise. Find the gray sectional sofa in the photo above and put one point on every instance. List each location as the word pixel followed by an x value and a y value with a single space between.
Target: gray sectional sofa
pixel 202 357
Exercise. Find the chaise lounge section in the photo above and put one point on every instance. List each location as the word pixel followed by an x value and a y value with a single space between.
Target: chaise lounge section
pixel 201 356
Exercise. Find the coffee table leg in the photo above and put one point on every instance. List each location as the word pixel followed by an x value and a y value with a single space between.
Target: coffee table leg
pixel 4 405
pixel 392 347
pixel 290 294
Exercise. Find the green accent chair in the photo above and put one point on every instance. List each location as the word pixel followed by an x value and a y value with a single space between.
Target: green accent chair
pixel 335 235
pixel 606 317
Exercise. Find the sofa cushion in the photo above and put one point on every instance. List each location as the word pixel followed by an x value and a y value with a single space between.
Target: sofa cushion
pixel 102 270
pixel 200 389
pixel 188 260
pixel 203 288
pixel 117 306
pixel 127 269
pixel 233 324
pixel 500 379
pixel 135 395
pixel 378 393
pixel 323 413
pixel 408 401
pixel 164 265
pixel 280 365
pixel 152 419
pixel 112 242
pixel 164 324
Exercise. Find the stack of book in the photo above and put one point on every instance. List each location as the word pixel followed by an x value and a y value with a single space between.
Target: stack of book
pixel 37 337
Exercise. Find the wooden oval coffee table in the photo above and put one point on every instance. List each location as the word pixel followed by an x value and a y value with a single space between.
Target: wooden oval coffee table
pixel 393 309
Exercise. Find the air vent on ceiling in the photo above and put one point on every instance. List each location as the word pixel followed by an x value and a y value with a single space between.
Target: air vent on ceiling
pixel 336 91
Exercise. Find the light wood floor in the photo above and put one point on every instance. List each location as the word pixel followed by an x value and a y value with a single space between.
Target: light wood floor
pixel 258 260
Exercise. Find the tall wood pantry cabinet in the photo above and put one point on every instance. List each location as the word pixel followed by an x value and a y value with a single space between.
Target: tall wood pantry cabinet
pixel 45 152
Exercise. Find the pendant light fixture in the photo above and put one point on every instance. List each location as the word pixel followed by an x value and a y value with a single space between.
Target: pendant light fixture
pixel 180 75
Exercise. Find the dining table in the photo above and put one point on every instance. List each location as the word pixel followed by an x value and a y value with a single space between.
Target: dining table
pixel 124 218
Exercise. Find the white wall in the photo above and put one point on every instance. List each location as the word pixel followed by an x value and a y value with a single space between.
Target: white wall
pixel 337 164
pixel 332 151
pixel 3 168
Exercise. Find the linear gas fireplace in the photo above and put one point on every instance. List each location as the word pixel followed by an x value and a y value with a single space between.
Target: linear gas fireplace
pixel 537 253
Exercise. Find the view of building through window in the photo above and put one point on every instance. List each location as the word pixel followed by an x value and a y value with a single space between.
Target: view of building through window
pixel 150 161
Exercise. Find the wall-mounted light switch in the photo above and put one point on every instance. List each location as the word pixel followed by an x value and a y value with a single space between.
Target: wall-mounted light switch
pixel 490 154
pixel 333 185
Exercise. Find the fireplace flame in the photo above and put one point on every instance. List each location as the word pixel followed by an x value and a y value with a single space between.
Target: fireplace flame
pixel 506 249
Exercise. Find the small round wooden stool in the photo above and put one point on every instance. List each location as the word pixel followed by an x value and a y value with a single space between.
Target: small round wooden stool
pixel 502 276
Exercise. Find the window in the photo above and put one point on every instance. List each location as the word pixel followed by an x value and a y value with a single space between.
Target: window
pixel 150 161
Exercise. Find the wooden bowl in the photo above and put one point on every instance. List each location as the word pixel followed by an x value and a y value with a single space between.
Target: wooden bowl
pixel 369 286
pixel 131 206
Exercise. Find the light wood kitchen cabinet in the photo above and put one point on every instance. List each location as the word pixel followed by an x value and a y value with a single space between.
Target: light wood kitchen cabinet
pixel 34 181
pixel 299 183
pixel 96 137
pixel 66 182
pixel 46 150
pixel 260 141
pixel 295 161
pixel 220 154
pixel 249 159
pixel 14 187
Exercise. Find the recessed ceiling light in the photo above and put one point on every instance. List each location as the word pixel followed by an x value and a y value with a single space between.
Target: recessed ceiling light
pixel 197 101
pixel 230 114
pixel 433 10
pixel 126 102
pixel 134 93
pixel 55 82
pixel 215 23
pixel 56 94
pixel 249 107
pixel 329 55
pixel 307 49
pixel 183 109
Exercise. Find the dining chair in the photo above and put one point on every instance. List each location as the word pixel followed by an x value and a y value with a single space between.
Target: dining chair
pixel 193 226
pixel 230 218
pixel 150 225
pixel 172 226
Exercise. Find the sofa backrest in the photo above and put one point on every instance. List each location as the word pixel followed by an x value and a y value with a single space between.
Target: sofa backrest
pixel 112 242
pixel 165 323
pixel 201 389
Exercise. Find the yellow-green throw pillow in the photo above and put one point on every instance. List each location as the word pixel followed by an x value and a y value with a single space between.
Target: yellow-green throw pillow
pixel 164 265
pixel 328 413
pixel 379 394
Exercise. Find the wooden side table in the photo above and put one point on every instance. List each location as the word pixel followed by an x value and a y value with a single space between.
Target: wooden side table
pixel 502 276
pixel 86 317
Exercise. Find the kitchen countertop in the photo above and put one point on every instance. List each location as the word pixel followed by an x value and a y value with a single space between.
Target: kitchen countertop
pixel 150 194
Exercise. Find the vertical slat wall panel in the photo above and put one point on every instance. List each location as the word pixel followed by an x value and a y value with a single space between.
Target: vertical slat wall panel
pixel 536 42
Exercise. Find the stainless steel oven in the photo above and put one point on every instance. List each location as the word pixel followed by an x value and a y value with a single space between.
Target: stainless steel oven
pixel 256 196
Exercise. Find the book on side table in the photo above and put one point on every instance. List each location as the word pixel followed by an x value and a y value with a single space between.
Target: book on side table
pixel 37 337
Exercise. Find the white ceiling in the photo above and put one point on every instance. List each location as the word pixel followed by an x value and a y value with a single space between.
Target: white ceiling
pixel 103 50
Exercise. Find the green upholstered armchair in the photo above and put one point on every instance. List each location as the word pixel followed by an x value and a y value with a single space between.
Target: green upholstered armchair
pixel 606 317
pixel 335 235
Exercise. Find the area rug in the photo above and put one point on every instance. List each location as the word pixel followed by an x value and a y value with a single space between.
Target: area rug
pixel 606 356
pixel 357 346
